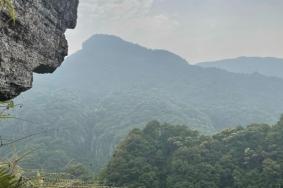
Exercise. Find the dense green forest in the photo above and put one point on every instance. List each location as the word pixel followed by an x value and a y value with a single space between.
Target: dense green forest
pixel 166 156
pixel 112 86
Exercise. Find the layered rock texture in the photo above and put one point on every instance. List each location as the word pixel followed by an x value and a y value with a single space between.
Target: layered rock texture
pixel 35 42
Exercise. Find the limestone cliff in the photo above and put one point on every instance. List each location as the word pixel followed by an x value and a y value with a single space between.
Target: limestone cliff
pixel 34 43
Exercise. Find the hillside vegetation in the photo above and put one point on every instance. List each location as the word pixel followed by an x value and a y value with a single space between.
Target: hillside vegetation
pixel 112 86
pixel 166 156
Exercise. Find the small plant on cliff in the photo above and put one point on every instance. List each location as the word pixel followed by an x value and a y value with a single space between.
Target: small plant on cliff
pixel 4 108
pixel 11 174
pixel 8 5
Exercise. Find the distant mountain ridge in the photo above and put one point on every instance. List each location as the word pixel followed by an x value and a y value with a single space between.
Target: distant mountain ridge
pixel 112 86
pixel 267 66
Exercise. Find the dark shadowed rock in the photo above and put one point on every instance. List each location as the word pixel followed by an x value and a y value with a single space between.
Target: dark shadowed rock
pixel 34 43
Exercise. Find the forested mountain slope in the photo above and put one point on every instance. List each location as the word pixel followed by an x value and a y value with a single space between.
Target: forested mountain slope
pixel 112 86
pixel 266 66
pixel 173 156
pixel 108 65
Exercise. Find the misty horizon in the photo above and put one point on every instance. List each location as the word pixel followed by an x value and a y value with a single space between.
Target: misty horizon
pixel 197 31
pixel 188 60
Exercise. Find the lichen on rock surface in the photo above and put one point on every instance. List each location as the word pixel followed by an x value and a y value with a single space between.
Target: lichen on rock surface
pixel 35 42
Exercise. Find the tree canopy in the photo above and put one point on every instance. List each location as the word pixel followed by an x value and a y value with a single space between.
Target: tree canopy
pixel 163 155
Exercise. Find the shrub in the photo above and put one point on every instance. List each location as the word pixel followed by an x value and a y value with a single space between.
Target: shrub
pixel 8 5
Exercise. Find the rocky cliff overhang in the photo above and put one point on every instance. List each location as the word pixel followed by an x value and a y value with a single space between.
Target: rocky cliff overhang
pixel 35 42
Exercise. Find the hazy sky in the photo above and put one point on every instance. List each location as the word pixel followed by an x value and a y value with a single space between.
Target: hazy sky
pixel 198 30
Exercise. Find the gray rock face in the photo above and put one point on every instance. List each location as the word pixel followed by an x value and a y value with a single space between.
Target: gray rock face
pixel 34 43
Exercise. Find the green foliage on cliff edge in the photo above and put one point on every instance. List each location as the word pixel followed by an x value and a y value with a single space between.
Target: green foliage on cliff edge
pixel 4 108
pixel 11 175
pixel 8 5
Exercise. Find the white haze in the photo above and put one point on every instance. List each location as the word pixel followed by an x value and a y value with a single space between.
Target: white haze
pixel 198 30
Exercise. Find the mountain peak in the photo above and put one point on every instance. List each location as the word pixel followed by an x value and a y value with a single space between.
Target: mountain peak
pixel 104 43
pixel 101 38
